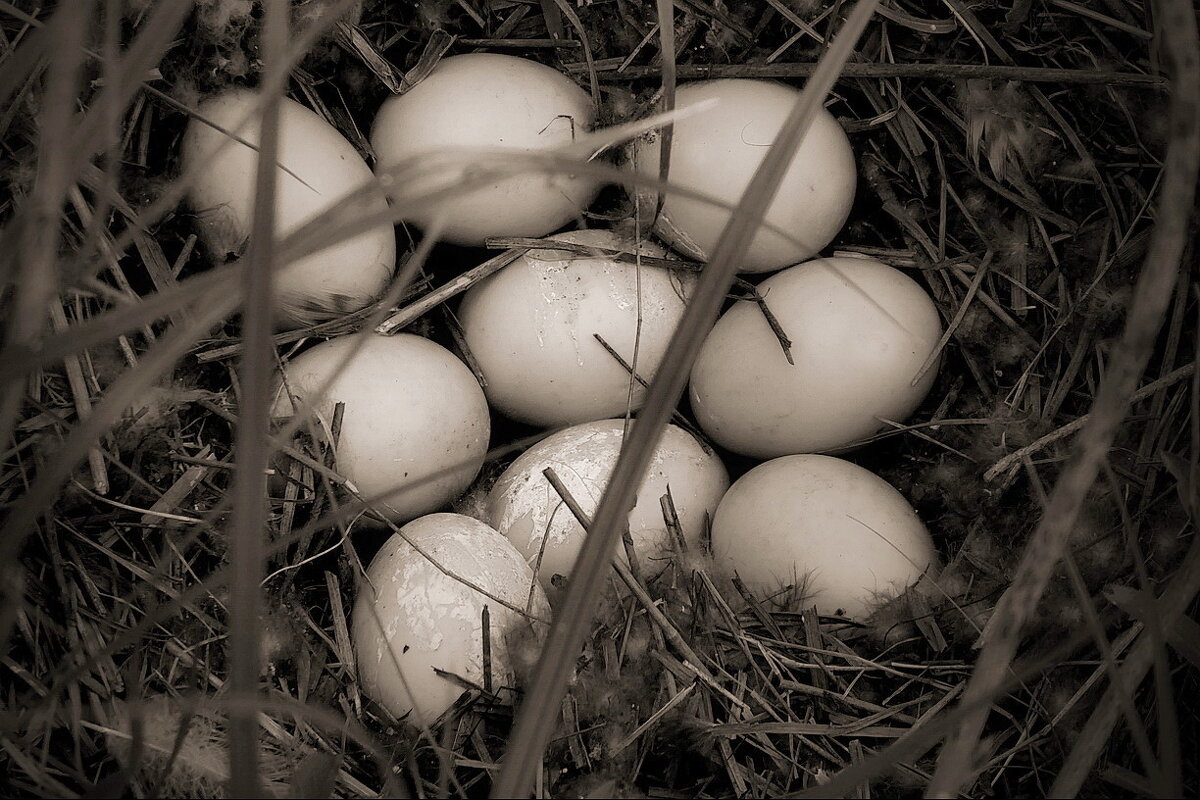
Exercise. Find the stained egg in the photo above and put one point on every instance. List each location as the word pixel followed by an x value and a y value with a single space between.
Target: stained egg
pixel 532 329
pixel 843 533
pixel 415 424
pixel 716 151
pixel 525 507
pixel 421 609
pixel 318 171
pixel 860 333
pixel 486 100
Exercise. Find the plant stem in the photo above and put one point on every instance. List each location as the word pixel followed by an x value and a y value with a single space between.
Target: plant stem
pixel 253 447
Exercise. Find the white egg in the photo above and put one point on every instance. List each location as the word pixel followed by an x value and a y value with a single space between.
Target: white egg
pixel 860 332
pixel 842 531
pixel 318 170
pixel 526 508
pixel 420 609
pixel 486 100
pixel 531 329
pixel 716 152
pixel 415 423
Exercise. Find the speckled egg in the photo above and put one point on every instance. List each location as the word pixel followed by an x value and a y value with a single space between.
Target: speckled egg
pixel 526 508
pixel 411 617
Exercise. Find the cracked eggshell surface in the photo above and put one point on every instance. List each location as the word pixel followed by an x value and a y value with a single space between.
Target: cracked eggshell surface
pixel 487 100
pixel 530 327
pixel 860 331
pixel 411 618
pixel 526 508
pixel 848 533
pixel 319 168
pixel 716 152
pixel 414 416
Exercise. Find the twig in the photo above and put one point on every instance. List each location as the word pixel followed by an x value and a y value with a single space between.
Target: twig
pixel 350 323
pixel 1013 459
pixel 1104 19
pixel 435 47
pixel 667 627
pixel 669 68
pixel 520 43
pixel 785 343
pixel 282 446
pixel 653 719
pixel 341 630
pixel 625 256
pixel 936 353
pixel 83 403
pixel 677 418
pixel 410 313
pixel 352 39
pixel 874 71
pixel 1170 608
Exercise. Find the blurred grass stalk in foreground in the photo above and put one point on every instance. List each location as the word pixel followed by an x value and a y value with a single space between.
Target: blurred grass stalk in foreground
pixel 252 448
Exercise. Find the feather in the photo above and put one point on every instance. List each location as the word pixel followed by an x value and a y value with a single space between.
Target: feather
pixel 181 749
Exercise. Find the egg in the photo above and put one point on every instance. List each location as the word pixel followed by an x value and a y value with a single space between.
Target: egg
pixel 318 170
pixel 531 329
pixel 842 531
pixel 420 609
pixel 486 100
pixel 527 509
pixel 415 423
pixel 716 152
pixel 860 332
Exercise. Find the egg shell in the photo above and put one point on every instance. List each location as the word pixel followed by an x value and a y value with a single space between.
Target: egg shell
pixel 716 152
pixel 411 618
pixel 487 100
pixel 414 417
pixel 845 531
pixel 526 508
pixel 530 328
pixel 318 170
pixel 860 331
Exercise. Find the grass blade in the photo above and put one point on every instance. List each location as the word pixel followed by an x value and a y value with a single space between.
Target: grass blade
pixel 666 38
pixel 1093 739
pixel 247 554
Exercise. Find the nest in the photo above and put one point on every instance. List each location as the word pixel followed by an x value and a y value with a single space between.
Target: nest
pixel 1018 159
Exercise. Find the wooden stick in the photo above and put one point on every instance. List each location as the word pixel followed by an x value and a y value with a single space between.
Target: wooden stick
pixel 856 70
pixel 410 313
pixel 83 403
